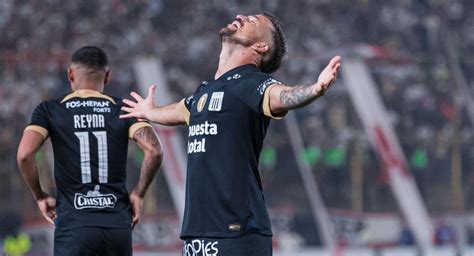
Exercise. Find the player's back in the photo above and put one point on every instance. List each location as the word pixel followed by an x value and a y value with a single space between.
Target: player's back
pixel 90 144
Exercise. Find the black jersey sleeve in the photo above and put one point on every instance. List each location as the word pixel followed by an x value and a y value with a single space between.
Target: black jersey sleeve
pixel 253 90
pixel 39 120
pixel 188 102
pixel 185 108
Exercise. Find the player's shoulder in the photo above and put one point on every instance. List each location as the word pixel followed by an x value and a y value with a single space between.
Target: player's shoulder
pixel 255 78
pixel 48 103
pixel 114 99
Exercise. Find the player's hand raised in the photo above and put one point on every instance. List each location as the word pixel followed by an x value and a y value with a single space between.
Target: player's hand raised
pixel 142 107
pixel 328 76
pixel 47 206
pixel 137 204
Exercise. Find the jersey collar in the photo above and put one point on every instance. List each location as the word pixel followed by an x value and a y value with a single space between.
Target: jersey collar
pixel 87 94
pixel 237 70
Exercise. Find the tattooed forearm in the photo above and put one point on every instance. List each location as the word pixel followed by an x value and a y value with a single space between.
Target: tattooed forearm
pixel 298 96
pixel 148 141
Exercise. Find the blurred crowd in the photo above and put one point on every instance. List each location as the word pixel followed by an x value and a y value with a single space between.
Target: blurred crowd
pixel 409 61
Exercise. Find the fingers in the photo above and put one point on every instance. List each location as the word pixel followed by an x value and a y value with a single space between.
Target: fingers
pixel 329 75
pixel 127 109
pixel 49 220
pixel 135 220
pixel 125 116
pixel 335 60
pixel 50 216
pixel 335 70
pixel 136 96
pixel 129 103
pixel 136 208
pixel 135 214
pixel 152 91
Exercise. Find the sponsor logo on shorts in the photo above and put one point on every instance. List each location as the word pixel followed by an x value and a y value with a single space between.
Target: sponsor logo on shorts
pixel 94 199
pixel 198 247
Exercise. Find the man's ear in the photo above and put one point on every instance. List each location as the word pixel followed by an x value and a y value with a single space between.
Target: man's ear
pixel 70 75
pixel 107 78
pixel 260 47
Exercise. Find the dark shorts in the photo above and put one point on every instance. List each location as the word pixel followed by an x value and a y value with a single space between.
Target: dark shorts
pixel 93 241
pixel 248 245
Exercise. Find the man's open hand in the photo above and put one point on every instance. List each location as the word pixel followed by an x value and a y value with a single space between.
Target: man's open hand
pixel 142 107
pixel 328 76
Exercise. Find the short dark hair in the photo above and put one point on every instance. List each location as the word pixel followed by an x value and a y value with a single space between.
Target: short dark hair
pixel 90 56
pixel 277 53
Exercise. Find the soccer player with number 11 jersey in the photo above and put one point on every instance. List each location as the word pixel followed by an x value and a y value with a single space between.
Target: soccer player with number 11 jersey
pixel 93 212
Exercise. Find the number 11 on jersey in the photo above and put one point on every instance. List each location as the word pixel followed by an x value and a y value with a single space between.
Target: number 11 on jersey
pixel 85 154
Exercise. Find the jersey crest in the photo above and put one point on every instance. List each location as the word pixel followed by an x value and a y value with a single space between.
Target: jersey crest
pixel 202 102
pixel 215 103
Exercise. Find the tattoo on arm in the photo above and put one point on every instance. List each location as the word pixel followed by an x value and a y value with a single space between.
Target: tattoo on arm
pixel 146 134
pixel 150 144
pixel 298 96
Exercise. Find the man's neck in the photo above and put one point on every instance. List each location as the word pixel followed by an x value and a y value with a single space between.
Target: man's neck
pixel 233 56
pixel 93 86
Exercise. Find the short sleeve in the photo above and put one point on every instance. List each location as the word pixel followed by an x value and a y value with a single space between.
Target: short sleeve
pixel 136 125
pixel 187 103
pixel 39 120
pixel 254 92
pixel 185 107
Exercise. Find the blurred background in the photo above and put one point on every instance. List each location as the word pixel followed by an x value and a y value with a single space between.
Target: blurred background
pixel 329 187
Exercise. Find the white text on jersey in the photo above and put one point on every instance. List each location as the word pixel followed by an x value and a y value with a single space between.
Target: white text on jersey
pixel 202 129
pixel 199 145
pixel 87 103
pixel 89 121
pixel 98 106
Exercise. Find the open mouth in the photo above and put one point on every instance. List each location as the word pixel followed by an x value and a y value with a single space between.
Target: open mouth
pixel 237 23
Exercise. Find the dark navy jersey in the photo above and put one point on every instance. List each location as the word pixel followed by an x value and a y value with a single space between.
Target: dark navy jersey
pixel 90 151
pixel 228 120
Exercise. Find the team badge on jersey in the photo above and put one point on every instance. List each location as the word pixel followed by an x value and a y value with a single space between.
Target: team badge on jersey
pixel 94 199
pixel 215 104
pixel 202 102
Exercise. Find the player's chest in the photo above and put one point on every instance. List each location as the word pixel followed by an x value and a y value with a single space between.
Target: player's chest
pixel 216 102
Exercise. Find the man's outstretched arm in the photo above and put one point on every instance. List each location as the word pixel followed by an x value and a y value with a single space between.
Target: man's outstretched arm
pixel 147 140
pixel 283 98
pixel 172 114
pixel 30 144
